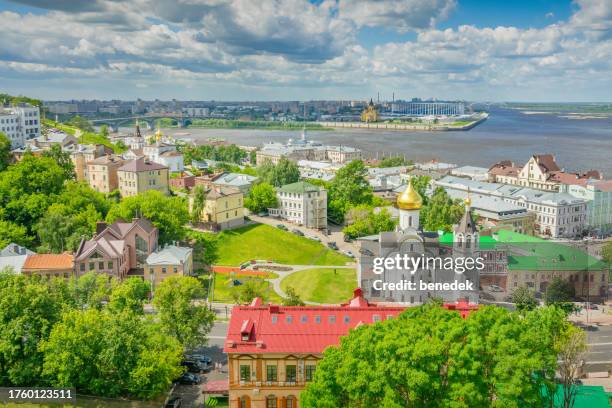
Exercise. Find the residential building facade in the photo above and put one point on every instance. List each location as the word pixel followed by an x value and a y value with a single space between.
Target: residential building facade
pixel 102 173
pixel 20 123
pixel 117 249
pixel 171 260
pixel 223 208
pixel 140 175
pixel 273 351
pixel 302 203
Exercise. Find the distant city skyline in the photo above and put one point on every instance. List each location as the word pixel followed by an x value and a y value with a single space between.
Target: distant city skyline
pixel 240 50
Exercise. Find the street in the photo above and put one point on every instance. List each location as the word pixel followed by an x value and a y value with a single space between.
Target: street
pixel 599 355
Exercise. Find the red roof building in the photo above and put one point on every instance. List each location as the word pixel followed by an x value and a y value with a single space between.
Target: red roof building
pixel 273 350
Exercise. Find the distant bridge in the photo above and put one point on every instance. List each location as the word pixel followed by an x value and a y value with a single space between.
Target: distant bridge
pixel 149 119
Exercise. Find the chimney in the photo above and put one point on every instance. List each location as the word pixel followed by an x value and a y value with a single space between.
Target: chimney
pixel 100 226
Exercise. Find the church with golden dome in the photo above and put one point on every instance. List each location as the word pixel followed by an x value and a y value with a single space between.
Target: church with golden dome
pixel 411 242
pixel 370 113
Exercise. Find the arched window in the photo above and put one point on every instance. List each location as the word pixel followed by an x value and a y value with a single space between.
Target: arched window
pixel 467 241
pixel 271 402
pixel 291 402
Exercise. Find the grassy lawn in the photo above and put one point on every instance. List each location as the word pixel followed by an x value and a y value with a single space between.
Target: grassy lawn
pixel 261 241
pixel 223 287
pixel 322 285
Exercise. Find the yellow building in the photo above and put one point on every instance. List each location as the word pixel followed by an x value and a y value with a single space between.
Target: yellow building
pixel 168 261
pixel 370 113
pixel 224 208
pixel 141 175
pixel 273 350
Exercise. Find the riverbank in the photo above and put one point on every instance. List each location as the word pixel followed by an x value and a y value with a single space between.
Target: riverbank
pixel 431 127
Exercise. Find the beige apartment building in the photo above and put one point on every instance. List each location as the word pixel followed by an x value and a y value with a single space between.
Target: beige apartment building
pixel 102 173
pixel 140 175
pixel 224 208
pixel 168 261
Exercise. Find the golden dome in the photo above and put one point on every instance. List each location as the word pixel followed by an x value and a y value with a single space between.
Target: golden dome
pixel 158 134
pixel 410 199
pixel 468 201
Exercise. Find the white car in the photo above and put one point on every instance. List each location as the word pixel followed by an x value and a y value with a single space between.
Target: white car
pixel 348 253
pixel 495 288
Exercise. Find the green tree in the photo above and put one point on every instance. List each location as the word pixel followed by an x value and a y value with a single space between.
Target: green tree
pixel 110 354
pixel 441 212
pixel 284 172
pixel 130 295
pixel 28 311
pixel 91 290
pixel 253 157
pixel 80 123
pixel 180 316
pixel 606 252
pixel 349 189
pixel 572 347
pixel 104 131
pixel 199 201
pixel 11 232
pixel 524 299
pixel 5 151
pixel 169 214
pixel 28 188
pixel 250 289
pixel 261 197
pixel 394 162
pixel 292 298
pixel 431 357
pixel 559 291
pixel 420 184
pixel 63 160
pixel 367 221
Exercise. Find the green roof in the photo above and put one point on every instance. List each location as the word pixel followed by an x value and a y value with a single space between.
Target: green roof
pixel 300 187
pixel 587 396
pixel 535 254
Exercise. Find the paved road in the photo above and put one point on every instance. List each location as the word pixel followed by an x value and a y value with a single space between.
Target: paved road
pixel 599 356
pixel 192 394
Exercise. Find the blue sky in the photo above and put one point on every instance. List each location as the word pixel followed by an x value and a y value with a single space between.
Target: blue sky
pixel 538 50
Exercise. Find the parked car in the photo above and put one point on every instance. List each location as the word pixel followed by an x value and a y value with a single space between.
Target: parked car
pixel 262 213
pixel 348 253
pixel 175 402
pixel 347 238
pixel 314 238
pixel 195 366
pixel 332 245
pixel 365 252
pixel 495 288
pixel 199 357
pixel 189 379
pixel 297 232
pixel 281 227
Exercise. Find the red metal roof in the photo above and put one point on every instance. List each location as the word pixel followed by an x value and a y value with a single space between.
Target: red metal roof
pixel 307 329
pixel 299 329
pixel 216 387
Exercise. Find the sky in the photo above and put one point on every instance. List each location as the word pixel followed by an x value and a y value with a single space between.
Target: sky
pixel 477 50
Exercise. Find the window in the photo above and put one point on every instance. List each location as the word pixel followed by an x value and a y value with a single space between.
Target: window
pixel 271 373
pixel 100 265
pixel 376 318
pixel 332 319
pixel 317 319
pixel 151 271
pixel 304 319
pixel 290 373
pixel 310 370
pixel 82 267
pixel 347 319
pixel 110 264
pixel 92 266
pixel 175 269
pixel 271 402
pixel 289 318
pixel 163 270
pixel 245 373
pixel 274 319
pixel 244 402
pixel 291 402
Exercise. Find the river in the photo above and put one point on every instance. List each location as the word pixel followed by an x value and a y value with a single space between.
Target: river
pixel 578 144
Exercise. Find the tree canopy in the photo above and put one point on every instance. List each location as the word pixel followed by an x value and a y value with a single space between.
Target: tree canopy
pixel 368 221
pixel 5 151
pixel 261 197
pixel 284 172
pixel 431 357
pixel 169 214
pixel 348 189
pixel 441 212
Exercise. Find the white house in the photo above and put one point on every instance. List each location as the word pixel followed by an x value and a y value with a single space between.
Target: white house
pixel 302 203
